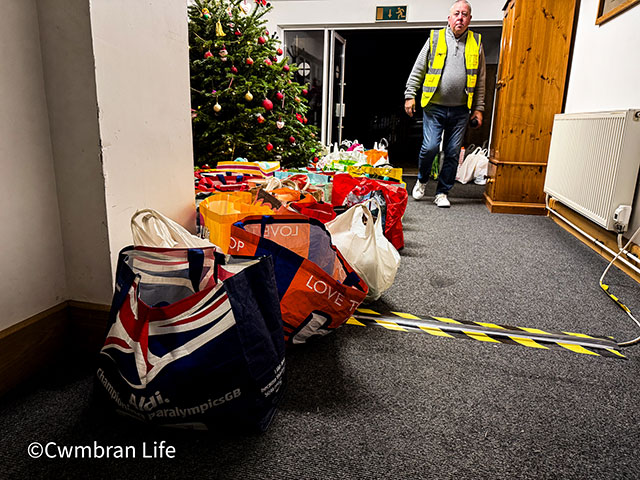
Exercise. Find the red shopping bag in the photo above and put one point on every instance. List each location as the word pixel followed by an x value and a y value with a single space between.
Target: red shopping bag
pixel 218 182
pixel 310 207
pixel 318 289
pixel 395 197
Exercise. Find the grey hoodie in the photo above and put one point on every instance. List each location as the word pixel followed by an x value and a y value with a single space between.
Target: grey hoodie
pixel 451 89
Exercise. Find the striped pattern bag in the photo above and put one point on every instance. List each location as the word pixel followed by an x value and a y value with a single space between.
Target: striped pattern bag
pixel 195 340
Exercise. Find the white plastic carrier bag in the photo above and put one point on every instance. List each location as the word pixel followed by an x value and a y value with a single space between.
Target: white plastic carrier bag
pixel 361 241
pixel 474 167
pixel 150 228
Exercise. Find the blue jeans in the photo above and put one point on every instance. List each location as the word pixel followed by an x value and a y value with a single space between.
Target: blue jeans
pixel 453 122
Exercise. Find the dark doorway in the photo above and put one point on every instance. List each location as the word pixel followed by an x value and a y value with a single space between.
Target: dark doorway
pixel 378 63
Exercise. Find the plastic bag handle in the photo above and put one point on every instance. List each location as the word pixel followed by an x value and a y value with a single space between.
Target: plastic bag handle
pixel 370 225
pixel 379 218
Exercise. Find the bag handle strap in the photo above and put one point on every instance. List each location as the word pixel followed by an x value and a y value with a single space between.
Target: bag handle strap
pixel 362 209
pixel 195 256
pixel 290 184
pixel 375 200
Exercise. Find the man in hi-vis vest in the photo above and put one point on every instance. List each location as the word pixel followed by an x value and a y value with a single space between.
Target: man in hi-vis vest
pixel 451 71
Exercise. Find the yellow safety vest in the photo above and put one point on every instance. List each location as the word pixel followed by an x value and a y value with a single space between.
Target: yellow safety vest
pixel 438 54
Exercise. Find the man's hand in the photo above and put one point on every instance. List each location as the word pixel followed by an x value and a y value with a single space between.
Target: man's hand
pixel 477 115
pixel 410 106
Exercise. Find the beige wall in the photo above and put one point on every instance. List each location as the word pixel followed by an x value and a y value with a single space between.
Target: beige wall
pixel 142 77
pixel 32 264
pixel 69 73
pixel 95 123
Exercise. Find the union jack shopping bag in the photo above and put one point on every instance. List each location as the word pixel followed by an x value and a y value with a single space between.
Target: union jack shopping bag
pixel 319 291
pixel 195 340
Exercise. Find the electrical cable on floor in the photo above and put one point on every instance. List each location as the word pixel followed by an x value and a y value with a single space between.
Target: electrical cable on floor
pixel 605 287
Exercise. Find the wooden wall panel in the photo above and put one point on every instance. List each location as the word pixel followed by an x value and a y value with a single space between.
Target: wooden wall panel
pixel 71 328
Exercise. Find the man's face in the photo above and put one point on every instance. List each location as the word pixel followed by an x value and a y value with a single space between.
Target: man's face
pixel 459 18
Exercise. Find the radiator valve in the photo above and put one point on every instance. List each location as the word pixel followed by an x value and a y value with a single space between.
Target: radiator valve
pixel 621 217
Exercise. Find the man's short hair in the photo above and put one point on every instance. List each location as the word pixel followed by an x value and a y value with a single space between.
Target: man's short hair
pixel 460 1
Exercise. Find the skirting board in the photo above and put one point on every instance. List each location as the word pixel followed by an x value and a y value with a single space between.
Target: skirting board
pixel 29 346
pixel 603 236
pixel 517 208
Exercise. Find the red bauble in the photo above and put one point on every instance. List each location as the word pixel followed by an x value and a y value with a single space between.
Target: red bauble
pixel 249 61
pixel 269 147
pixel 280 52
pixel 305 91
pixel 234 69
pixel 292 139
pixel 305 120
pixel 208 54
pixel 286 68
pixel 261 40
pixel 238 33
pixel 279 96
pixel 267 104
pixel 260 119
pixel 268 62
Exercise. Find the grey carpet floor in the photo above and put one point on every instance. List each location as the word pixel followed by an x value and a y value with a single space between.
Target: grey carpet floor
pixel 365 402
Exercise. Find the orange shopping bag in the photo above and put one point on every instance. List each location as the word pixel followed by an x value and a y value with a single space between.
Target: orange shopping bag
pixel 318 289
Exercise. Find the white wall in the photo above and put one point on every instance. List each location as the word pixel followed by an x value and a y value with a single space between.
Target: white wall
pixel 340 12
pixel 143 93
pixel 605 69
pixel 32 265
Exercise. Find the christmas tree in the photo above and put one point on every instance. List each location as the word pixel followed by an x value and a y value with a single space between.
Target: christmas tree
pixel 244 101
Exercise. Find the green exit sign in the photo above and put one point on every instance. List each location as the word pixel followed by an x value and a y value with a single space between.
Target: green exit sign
pixel 396 13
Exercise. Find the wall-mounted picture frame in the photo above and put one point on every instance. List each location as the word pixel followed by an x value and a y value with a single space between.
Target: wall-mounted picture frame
pixel 607 9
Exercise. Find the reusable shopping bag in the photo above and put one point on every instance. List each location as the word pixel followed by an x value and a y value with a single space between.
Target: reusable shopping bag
pixel 318 289
pixel 360 239
pixel 310 207
pixel 208 181
pixel 383 173
pixel 194 340
pixel 241 166
pixel 221 210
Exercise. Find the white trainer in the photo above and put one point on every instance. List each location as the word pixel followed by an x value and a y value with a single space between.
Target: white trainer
pixel 419 190
pixel 442 201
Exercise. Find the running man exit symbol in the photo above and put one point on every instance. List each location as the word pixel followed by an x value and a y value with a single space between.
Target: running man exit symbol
pixel 391 14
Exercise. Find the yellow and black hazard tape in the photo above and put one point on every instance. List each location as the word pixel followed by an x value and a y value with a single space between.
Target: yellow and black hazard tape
pixel 489 332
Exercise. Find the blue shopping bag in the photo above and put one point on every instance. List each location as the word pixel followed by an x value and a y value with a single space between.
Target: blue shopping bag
pixel 195 340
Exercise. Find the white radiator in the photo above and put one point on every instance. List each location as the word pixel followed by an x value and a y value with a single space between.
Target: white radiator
pixel 593 164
